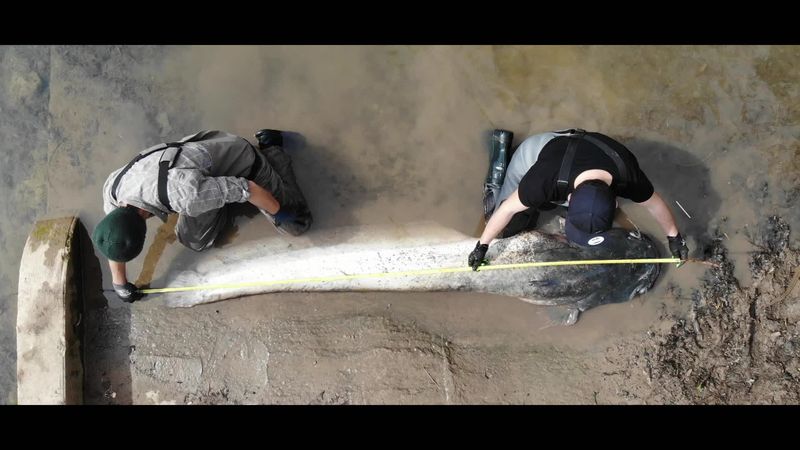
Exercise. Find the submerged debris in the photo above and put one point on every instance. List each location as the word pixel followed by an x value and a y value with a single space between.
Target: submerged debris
pixel 739 345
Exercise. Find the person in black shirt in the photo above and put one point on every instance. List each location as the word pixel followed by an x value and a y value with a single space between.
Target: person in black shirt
pixel 584 171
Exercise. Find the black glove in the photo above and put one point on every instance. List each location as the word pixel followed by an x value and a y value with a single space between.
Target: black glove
pixel 284 216
pixel 678 248
pixel 288 221
pixel 128 292
pixel 476 258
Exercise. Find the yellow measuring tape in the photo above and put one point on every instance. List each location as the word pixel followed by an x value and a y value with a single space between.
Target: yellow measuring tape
pixel 409 272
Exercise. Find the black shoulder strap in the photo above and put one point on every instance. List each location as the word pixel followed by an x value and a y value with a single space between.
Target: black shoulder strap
pixel 163 167
pixel 562 185
pixel 141 155
pixel 621 167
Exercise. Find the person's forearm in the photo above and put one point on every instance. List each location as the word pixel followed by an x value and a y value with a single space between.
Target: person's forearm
pixel 262 198
pixel 118 275
pixel 662 213
pixel 502 216
pixel 497 222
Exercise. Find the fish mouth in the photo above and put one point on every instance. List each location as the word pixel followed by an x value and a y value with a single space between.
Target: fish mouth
pixel 645 282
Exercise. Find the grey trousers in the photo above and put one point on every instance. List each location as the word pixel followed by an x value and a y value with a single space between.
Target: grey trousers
pixel 524 157
pixel 270 168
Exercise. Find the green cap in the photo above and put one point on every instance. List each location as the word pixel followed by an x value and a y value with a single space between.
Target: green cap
pixel 120 235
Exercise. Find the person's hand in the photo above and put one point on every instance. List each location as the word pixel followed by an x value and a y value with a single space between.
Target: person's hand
pixel 476 258
pixel 678 248
pixel 128 292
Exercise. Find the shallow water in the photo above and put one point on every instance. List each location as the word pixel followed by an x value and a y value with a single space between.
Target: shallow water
pixel 396 134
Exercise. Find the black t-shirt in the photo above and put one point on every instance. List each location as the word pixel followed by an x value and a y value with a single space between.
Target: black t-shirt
pixel 539 183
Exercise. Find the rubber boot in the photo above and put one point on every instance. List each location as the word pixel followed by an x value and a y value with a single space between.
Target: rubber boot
pixel 499 156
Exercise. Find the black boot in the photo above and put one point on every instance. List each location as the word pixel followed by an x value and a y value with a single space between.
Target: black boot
pixel 267 137
pixel 498 162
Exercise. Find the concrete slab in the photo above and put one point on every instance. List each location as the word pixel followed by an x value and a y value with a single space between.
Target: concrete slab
pixel 49 367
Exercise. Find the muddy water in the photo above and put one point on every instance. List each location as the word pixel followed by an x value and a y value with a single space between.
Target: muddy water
pixel 396 134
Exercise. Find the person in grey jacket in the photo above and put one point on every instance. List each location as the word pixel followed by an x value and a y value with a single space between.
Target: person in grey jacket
pixel 196 178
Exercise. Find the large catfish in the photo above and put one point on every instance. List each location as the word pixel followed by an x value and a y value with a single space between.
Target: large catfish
pixel 422 246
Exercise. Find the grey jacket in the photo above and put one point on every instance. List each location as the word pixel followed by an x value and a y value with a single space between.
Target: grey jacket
pixel 208 173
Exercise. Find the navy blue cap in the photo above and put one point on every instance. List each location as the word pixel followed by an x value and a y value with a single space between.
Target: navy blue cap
pixel 591 213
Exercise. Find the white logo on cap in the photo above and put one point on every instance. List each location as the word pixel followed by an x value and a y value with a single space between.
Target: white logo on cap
pixel 596 240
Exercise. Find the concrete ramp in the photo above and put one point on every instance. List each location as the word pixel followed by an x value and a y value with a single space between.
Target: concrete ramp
pixel 49 364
